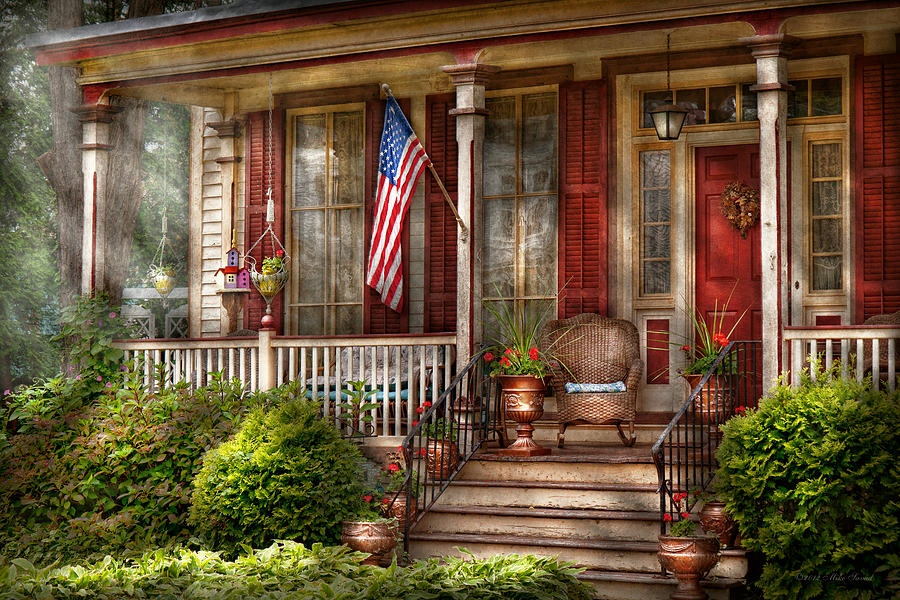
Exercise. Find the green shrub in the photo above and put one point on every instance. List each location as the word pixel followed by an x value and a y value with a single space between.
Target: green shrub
pixel 113 473
pixel 287 571
pixel 287 474
pixel 812 480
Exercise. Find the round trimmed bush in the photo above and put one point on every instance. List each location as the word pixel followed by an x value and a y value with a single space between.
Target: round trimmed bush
pixel 812 480
pixel 287 474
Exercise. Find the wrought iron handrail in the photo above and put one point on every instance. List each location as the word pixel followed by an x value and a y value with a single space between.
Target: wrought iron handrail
pixel 448 433
pixel 684 453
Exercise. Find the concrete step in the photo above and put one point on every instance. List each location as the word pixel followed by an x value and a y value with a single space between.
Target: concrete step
pixel 609 463
pixel 547 522
pixel 624 497
pixel 625 585
pixel 598 554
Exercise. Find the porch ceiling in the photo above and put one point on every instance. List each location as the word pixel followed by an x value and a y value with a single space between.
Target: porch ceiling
pixel 203 56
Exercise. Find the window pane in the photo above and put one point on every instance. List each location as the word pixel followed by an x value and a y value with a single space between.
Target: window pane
pixel 492 331
pixel 309 252
pixel 309 161
pixel 499 247
pixel 651 101
pixel 539 245
pixel 347 255
pixel 826 96
pixel 695 103
pixel 347 166
pixel 655 169
pixel 539 143
pixel 500 147
pixel 748 103
pixel 798 100
pixel 827 235
pixel 656 277
pixel 310 320
pixel 656 241
pixel 826 198
pixel 826 160
pixel 656 206
pixel 347 319
pixel 722 104
pixel 827 273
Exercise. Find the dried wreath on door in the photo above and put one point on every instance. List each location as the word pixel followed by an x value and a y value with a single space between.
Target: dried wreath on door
pixel 740 205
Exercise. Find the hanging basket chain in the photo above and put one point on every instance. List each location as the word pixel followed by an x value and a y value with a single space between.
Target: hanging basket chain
pixel 162 275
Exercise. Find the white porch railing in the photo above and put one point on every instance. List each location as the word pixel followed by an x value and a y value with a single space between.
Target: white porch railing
pixel 404 371
pixel 854 345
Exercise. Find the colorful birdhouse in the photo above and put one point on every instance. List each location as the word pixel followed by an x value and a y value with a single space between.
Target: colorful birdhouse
pixel 235 277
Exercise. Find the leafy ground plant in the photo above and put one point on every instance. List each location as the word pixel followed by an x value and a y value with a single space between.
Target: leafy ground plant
pixel 288 571
pixel 811 478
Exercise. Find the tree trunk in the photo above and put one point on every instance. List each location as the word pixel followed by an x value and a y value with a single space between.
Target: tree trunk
pixel 62 167
pixel 62 164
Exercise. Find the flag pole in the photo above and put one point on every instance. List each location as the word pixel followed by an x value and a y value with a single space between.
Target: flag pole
pixel 387 90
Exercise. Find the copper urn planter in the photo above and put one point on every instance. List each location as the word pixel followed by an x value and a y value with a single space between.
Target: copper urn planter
pixel 441 459
pixel 689 559
pixel 396 507
pixel 376 538
pixel 523 402
pixel 714 520
pixel 712 399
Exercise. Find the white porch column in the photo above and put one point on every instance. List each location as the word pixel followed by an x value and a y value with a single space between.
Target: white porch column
pixel 771 87
pixel 95 119
pixel 469 80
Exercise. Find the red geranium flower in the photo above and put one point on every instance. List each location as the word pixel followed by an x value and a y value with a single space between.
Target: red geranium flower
pixel 721 339
pixel 420 409
pixel 393 467
pixel 533 353
pixel 422 452
pixel 426 404
pixel 367 497
pixel 509 351
pixel 488 356
pixel 686 348
pixel 279 253
pixel 685 515
pixel 740 409
pixel 414 423
pixel 385 500
pixel 504 361
pixel 667 517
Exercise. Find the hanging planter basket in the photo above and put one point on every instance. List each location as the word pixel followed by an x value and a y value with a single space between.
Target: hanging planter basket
pixel 163 280
pixel 270 277
pixel 740 205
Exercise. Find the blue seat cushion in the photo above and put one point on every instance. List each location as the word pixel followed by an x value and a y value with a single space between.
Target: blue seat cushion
pixel 595 388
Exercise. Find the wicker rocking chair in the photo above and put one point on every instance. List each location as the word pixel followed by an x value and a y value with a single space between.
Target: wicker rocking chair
pixel 594 349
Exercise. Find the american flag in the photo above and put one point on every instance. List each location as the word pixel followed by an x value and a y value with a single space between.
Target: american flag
pixel 401 163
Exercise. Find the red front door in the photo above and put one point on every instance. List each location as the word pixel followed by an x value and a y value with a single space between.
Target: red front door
pixel 725 261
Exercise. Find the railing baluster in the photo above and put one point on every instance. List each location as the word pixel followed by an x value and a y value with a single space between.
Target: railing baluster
pixel 876 364
pixel 891 365
pixel 859 360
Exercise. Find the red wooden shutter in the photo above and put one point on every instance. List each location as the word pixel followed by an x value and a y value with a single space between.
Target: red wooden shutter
pixel 440 224
pixel 256 183
pixel 877 152
pixel 378 318
pixel 582 194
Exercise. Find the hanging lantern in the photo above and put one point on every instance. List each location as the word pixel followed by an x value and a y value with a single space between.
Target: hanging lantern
pixel 668 119
pixel 270 277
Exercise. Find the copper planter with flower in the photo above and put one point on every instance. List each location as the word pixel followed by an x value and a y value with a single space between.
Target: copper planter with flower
pixel 714 520
pixel 377 538
pixel 689 558
pixel 523 402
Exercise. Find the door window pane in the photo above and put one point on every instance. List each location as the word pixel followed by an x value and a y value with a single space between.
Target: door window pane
pixel 655 233
pixel 695 103
pixel 723 104
pixel 826 216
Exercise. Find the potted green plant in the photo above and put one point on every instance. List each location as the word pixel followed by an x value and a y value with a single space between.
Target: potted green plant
pixel 687 556
pixel 441 449
pixel 356 405
pixel 272 276
pixel 701 349
pixel 521 367
pixel 368 530
pixel 396 477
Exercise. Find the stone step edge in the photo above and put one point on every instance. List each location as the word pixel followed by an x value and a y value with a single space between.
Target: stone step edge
pixel 547 513
pixel 634 459
pixel 558 485
pixel 597 575
pixel 510 540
